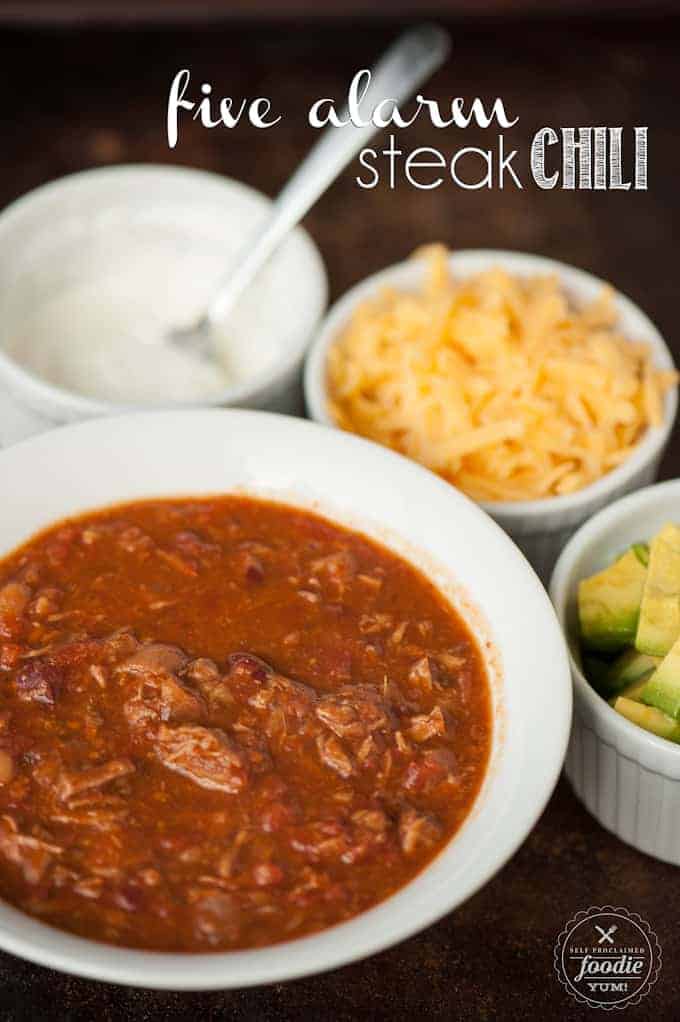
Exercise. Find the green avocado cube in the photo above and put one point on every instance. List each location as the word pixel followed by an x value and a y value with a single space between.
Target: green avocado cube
pixel 663 688
pixel 609 604
pixel 649 718
pixel 627 670
pixel 659 621
pixel 633 691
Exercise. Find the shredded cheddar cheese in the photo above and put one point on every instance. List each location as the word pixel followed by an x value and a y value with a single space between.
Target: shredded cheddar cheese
pixel 496 382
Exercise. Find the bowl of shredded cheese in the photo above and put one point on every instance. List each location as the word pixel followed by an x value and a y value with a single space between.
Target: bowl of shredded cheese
pixel 533 387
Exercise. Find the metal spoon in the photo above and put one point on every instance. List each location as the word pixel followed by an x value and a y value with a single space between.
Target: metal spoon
pixel 404 66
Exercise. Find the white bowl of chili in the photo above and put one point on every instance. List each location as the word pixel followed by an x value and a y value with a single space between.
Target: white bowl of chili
pixel 540 527
pixel 462 558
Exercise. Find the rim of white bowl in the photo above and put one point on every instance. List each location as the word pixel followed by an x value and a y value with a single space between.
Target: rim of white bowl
pixel 560 584
pixel 363 934
pixel 579 282
pixel 41 392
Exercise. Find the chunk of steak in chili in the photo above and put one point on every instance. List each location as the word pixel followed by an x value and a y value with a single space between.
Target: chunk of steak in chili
pixel 204 755
pixel 226 723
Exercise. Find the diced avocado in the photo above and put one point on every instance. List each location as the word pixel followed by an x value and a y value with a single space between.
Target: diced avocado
pixel 628 668
pixel 641 551
pixel 659 623
pixel 649 718
pixel 663 688
pixel 632 691
pixel 609 604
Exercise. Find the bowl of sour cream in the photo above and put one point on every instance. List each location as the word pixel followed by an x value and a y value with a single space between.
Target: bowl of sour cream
pixel 97 267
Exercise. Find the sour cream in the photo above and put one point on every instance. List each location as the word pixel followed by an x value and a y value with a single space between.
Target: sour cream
pixel 94 297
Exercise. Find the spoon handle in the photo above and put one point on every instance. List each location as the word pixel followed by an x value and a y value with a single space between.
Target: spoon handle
pixel 405 65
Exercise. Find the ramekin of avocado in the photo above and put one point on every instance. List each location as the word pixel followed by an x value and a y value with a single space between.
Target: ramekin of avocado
pixel 616 592
pixel 629 631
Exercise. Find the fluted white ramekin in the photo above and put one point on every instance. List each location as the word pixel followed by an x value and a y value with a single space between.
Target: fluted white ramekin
pixel 539 527
pixel 628 778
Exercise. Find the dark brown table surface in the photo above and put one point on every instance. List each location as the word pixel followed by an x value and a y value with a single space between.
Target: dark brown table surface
pixel 116 12
pixel 83 98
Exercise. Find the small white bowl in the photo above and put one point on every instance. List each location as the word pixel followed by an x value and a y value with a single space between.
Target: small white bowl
pixel 539 527
pixel 628 778
pixel 47 236
pixel 70 470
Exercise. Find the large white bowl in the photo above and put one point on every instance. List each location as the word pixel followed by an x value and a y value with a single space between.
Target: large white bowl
pixel 628 778
pixel 390 498
pixel 539 527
